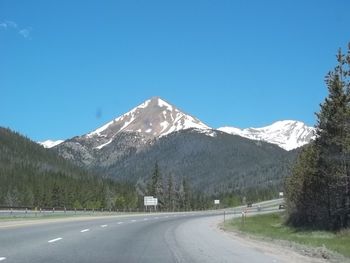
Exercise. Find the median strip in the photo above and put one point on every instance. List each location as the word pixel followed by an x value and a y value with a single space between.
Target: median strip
pixel 54 240
pixel 84 230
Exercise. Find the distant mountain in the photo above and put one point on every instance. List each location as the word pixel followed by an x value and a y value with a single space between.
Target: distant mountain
pixel 286 134
pixel 155 118
pixel 152 119
pixel 130 132
pixel 156 131
pixel 50 143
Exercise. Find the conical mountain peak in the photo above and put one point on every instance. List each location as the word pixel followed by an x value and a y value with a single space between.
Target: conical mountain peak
pixel 153 118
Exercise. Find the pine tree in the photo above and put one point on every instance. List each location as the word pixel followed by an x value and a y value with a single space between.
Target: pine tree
pixel 318 191
pixel 170 193
pixel 155 187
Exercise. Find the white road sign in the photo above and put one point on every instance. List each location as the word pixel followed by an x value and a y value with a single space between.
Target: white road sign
pixel 150 200
pixel 216 202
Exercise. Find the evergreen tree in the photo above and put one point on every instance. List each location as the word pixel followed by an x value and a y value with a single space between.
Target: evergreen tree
pixel 318 191
pixel 170 193
pixel 156 185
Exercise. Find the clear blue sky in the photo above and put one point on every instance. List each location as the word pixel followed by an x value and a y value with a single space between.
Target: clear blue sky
pixel 67 67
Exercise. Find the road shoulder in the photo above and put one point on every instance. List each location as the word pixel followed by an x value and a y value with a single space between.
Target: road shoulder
pixel 285 250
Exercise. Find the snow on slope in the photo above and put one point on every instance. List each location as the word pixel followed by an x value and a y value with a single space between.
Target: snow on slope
pixel 152 119
pixel 287 134
pixel 50 143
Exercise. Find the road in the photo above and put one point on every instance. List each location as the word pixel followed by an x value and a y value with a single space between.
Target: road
pixel 173 237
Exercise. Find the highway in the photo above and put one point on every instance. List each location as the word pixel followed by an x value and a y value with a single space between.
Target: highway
pixel 173 237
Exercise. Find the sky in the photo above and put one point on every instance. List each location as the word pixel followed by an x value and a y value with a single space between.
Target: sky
pixel 68 67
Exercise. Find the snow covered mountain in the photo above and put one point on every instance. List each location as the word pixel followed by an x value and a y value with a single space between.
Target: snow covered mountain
pixel 286 134
pixel 50 143
pixel 156 118
pixel 152 119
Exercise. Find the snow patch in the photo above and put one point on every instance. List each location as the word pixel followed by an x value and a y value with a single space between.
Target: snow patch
pixel 103 145
pixel 50 143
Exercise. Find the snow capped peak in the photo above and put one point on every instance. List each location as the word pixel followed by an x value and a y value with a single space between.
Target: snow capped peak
pixel 153 118
pixel 287 134
pixel 50 143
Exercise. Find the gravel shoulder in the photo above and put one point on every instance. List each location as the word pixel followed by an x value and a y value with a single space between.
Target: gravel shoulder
pixel 286 251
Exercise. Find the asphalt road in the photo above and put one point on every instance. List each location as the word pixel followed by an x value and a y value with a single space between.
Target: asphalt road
pixel 186 237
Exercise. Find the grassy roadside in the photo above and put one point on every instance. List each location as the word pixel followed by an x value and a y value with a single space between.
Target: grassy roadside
pixel 271 226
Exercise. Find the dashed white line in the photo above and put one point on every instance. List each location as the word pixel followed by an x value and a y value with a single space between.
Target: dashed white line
pixel 120 223
pixel 52 240
pixel 156 217
pixel 2 258
pixel 84 230
pixel 104 225
pixel 145 219
pixel 132 221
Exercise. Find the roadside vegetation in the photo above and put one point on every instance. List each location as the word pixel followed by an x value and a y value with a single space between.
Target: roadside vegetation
pixel 318 192
pixel 272 226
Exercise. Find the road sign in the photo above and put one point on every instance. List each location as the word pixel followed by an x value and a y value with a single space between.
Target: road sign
pixel 281 194
pixel 150 200
pixel 216 202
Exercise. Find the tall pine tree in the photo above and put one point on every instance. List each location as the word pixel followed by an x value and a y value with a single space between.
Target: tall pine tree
pixel 318 192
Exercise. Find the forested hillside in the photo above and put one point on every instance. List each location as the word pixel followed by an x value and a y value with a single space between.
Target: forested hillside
pixel 214 165
pixel 31 175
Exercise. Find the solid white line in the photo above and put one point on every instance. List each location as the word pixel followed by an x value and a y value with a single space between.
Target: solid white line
pixel 104 225
pixel 84 230
pixel 2 258
pixel 54 240
pixel 120 223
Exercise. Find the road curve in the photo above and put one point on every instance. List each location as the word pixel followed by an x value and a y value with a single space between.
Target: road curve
pixel 187 237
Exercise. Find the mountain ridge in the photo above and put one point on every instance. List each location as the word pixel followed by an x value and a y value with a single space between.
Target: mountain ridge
pixel 155 118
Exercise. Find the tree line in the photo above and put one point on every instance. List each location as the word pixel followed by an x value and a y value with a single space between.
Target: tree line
pixel 318 192
pixel 31 176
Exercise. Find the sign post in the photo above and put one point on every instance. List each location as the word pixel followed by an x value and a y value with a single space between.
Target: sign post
pixel 150 201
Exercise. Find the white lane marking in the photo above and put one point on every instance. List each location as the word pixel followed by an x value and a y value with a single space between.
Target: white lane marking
pixel 104 225
pixel 120 223
pixel 2 258
pixel 166 217
pixel 145 219
pixel 132 221
pixel 156 217
pixel 84 230
pixel 54 240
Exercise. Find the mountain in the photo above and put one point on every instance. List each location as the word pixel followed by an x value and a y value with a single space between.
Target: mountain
pixel 156 118
pixel 129 133
pixel 286 134
pixel 31 175
pixel 128 147
pixel 50 143
pixel 152 119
